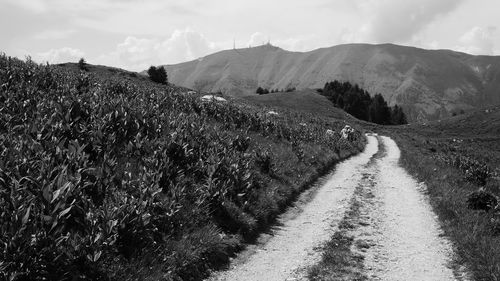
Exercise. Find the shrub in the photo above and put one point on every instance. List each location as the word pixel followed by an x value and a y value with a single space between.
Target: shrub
pixel 474 170
pixel 158 75
pixel 481 200
pixel 264 161
pixel 82 64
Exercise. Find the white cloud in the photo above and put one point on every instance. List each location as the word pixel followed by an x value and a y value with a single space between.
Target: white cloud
pixel 61 55
pixel 139 53
pixel 257 39
pixel 184 45
pixel 397 21
pixel 478 41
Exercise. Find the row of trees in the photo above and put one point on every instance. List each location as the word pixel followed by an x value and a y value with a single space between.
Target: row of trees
pixel 358 102
pixel 264 91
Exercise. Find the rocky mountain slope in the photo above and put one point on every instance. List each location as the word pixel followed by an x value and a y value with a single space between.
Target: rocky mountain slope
pixel 429 84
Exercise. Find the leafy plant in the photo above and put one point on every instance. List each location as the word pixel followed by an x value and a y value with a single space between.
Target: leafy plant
pixel 101 175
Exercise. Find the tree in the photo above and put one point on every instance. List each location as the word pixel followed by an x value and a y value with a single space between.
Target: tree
pixel 260 91
pixel 158 75
pixel 357 102
pixel 379 111
pixel 398 117
pixel 82 64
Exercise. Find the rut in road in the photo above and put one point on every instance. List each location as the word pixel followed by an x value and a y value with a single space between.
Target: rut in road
pixel 402 230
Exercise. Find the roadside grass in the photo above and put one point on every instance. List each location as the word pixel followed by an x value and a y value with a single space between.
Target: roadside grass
pixel 475 234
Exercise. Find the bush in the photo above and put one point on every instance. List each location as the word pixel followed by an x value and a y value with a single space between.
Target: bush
pixel 82 64
pixel 474 170
pixel 264 162
pixel 481 200
pixel 158 75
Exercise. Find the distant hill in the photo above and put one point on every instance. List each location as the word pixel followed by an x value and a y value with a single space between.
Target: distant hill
pixel 429 84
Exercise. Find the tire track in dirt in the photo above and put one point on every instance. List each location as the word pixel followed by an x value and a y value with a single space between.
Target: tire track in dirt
pixel 377 215
pixel 390 231
pixel 408 243
pixel 295 245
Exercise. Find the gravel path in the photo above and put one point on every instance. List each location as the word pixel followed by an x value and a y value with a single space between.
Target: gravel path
pixel 400 233
pixel 403 231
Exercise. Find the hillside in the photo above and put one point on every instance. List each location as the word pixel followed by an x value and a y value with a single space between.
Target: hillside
pixel 429 84
pixel 105 175
pixel 308 101
pixel 479 123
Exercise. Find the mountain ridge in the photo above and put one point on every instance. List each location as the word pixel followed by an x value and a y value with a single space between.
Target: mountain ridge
pixel 428 84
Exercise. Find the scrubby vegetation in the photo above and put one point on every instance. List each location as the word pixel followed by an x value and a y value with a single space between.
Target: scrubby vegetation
pixel 114 180
pixel 358 102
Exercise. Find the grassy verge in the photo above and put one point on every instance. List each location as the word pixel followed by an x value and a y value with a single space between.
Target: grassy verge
pixel 339 260
pixel 475 234
pixel 342 256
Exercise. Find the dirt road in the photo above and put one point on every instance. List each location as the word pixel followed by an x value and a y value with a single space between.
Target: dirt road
pixel 400 235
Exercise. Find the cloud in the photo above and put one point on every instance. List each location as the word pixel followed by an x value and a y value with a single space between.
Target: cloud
pixel 139 53
pixel 257 39
pixel 184 45
pixel 478 41
pixel 36 6
pixel 53 34
pixel 397 21
pixel 61 55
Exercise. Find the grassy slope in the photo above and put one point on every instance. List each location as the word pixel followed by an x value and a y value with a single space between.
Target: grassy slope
pixel 304 101
pixel 137 181
pixel 426 153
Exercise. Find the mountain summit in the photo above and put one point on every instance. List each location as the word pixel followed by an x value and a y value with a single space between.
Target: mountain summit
pixel 429 84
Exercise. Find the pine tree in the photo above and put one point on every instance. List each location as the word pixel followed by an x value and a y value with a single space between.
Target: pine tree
pixel 398 117
pixel 379 111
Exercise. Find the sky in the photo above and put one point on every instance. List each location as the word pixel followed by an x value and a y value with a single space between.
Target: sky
pixel 134 34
